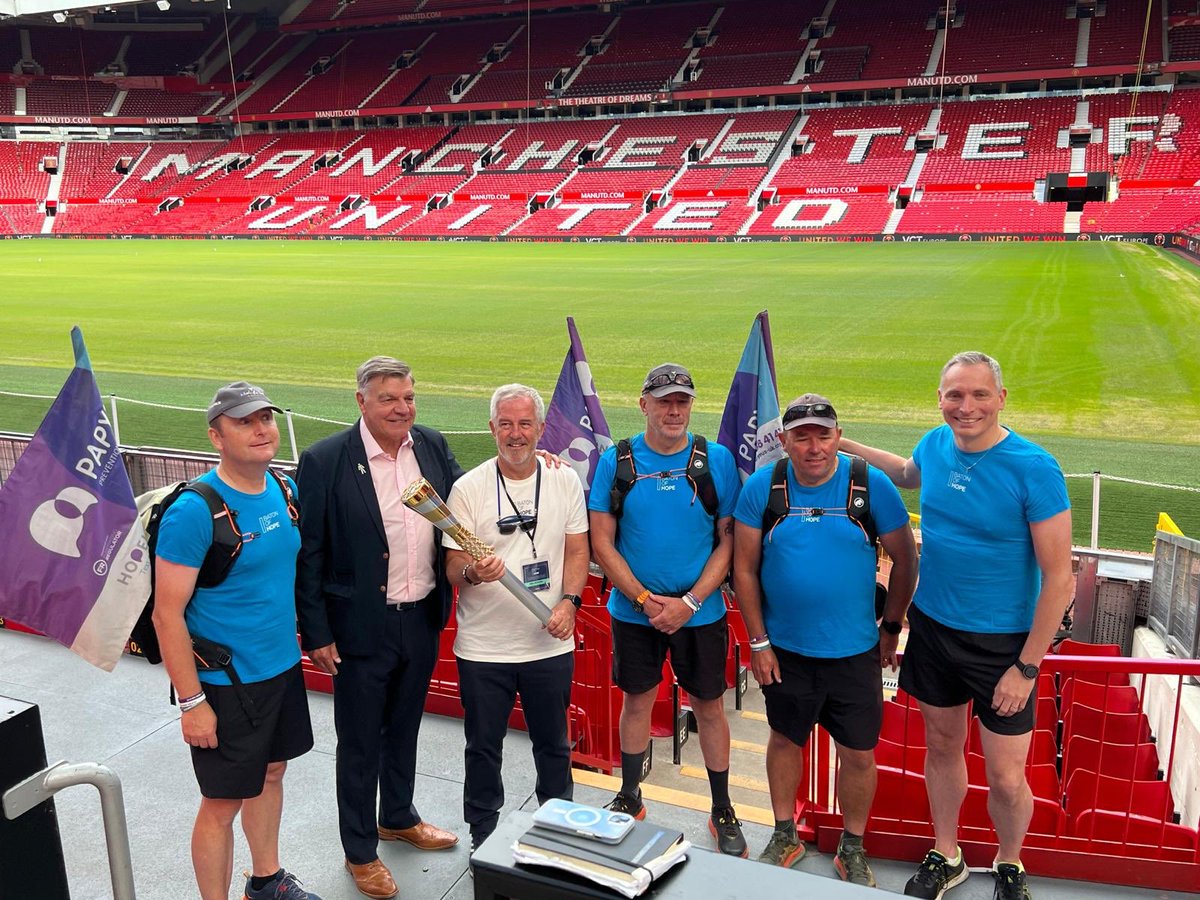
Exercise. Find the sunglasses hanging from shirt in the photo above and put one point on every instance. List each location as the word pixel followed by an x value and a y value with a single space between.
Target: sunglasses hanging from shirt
pixel 534 572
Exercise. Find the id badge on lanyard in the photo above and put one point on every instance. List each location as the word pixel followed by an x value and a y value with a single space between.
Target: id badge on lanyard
pixel 536 574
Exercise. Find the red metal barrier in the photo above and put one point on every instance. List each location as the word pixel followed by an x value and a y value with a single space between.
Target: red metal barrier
pixel 1108 836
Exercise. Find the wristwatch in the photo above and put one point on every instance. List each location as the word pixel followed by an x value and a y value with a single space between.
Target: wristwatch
pixel 575 599
pixel 890 627
pixel 1029 671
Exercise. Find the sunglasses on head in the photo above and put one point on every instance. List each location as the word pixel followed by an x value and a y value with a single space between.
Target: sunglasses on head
pixel 509 524
pixel 807 410
pixel 683 379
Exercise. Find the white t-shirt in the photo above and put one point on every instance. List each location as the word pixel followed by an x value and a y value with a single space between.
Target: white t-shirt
pixel 493 625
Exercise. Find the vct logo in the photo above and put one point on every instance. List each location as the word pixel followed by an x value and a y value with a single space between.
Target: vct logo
pixel 58 524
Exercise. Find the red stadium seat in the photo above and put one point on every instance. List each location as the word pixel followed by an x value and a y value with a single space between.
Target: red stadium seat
pixel 1133 761
pixel 1087 790
pixel 1105 825
pixel 1110 727
pixel 1112 698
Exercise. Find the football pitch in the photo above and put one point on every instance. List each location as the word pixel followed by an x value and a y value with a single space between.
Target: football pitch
pixel 1098 340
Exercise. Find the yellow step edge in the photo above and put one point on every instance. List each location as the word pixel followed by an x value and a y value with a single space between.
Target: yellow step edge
pixel 683 799
pixel 756 716
pixel 748 746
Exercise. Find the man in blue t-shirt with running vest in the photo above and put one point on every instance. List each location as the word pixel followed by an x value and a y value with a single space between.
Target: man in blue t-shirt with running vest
pixel 804 572
pixel 666 555
pixel 995 581
pixel 241 735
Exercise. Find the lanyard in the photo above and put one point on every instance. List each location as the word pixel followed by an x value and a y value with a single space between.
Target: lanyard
pixel 537 496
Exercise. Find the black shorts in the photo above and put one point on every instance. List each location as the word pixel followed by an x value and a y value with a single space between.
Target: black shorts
pixel 237 767
pixel 697 656
pixel 947 667
pixel 843 694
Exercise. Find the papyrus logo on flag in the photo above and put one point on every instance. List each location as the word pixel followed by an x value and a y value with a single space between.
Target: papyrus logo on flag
pixel 750 425
pixel 74 563
pixel 575 426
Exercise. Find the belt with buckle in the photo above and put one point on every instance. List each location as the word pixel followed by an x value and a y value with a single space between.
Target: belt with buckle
pixel 404 607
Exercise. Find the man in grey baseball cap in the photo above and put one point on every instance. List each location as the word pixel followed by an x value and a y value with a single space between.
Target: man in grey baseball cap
pixel 666 563
pixel 239 752
pixel 237 400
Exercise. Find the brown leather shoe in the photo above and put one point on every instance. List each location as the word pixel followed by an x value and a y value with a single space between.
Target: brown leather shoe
pixel 423 836
pixel 373 879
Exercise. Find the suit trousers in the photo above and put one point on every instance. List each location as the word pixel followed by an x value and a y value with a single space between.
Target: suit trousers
pixel 488 691
pixel 378 702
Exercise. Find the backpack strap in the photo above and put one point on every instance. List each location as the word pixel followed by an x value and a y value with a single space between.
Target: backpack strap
pixel 777 500
pixel 623 479
pixel 289 496
pixel 699 472
pixel 227 539
pixel 858 499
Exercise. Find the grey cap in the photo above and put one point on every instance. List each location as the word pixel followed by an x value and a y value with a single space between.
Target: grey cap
pixel 237 400
pixel 672 374
pixel 801 416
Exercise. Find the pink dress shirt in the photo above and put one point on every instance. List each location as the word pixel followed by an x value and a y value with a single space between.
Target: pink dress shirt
pixel 409 535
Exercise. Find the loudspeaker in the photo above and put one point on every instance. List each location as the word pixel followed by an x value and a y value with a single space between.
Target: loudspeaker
pixel 31 860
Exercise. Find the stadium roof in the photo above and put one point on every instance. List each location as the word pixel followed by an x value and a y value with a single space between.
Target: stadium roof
pixel 42 7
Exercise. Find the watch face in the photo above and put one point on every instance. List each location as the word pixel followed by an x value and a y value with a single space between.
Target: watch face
pixel 1028 671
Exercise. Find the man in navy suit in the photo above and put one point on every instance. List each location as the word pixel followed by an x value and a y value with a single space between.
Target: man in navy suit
pixel 371 597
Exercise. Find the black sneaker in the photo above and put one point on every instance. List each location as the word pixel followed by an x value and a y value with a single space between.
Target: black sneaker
pixel 1010 883
pixel 631 805
pixel 936 876
pixel 285 886
pixel 726 828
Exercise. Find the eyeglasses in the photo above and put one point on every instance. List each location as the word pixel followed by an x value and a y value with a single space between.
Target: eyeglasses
pixel 809 410
pixel 683 379
pixel 509 524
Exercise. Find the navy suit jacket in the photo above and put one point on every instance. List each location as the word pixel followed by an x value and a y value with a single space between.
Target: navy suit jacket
pixel 342 569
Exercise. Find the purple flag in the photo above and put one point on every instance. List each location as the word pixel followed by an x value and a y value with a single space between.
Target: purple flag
pixel 74 563
pixel 575 425
pixel 750 425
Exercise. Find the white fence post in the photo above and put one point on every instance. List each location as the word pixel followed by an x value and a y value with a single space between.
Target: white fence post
pixel 292 435
pixel 112 405
pixel 1095 509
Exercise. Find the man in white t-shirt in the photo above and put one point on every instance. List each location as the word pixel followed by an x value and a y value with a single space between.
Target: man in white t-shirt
pixel 534 516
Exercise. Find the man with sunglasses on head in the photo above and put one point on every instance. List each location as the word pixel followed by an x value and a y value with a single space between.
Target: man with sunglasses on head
pixel 667 555
pixel 241 735
pixel 804 571
pixel 995 581
pixel 534 517
pixel 372 596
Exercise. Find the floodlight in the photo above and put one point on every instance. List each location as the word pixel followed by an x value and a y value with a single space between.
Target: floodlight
pixel 59 17
pixel 164 5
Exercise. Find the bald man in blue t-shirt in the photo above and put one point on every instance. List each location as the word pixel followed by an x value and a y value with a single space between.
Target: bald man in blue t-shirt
pixel 995 581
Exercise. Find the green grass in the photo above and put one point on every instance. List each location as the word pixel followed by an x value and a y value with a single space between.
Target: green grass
pixel 1098 341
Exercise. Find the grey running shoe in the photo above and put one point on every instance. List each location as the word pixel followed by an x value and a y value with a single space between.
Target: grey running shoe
pixel 783 849
pixel 851 864
pixel 1010 883
pixel 936 876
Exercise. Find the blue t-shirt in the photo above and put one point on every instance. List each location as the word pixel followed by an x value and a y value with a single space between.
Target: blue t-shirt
pixel 664 533
pixel 253 611
pixel 978 568
pixel 818 571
